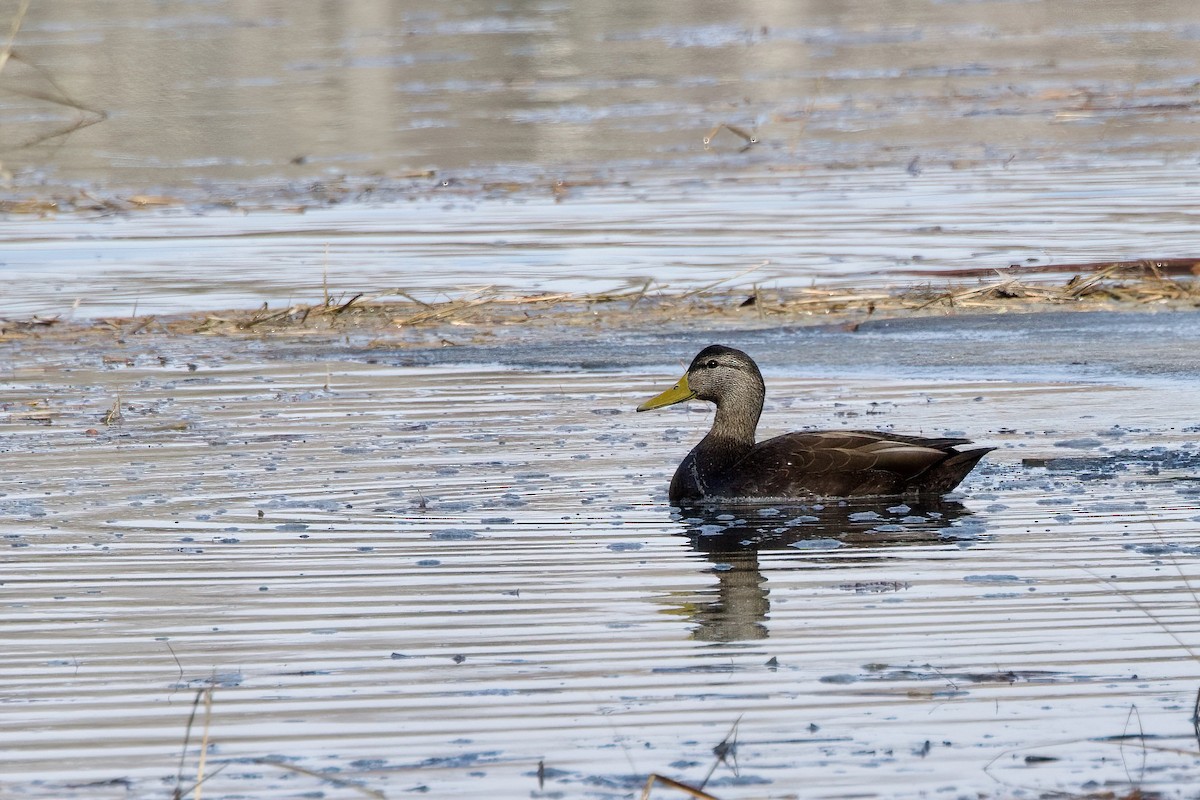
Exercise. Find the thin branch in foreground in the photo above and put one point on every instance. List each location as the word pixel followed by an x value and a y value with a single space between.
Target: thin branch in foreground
pixel 204 694
pixel 654 778
pixel 14 29
pixel 341 783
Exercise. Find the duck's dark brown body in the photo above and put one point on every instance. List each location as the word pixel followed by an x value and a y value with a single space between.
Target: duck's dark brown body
pixel 822 464
pixel 728 464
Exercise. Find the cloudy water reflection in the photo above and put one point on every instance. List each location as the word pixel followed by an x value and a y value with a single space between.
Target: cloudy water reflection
pixel 562 147
pixel 230 92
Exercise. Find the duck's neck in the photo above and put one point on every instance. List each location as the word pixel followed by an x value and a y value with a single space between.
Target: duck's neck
pixel 737 417
pixel 705 468
pixel 732 432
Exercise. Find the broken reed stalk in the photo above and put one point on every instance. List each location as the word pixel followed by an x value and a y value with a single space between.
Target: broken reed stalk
pixel 341 783
pixel 641 293
pixel 59 97
pixel 414 299
pixel 1196 718
pixel 113 415
pixel 748 139
pixel 340 309
pixel 458 308
pixel 715 284
pixel 725 752
pixel 1141 736
pixel 325 274
pixel 14 29
pixel 445 312
pixel 673 784
pixel 200 776
pixel 177 794
pixel 202 695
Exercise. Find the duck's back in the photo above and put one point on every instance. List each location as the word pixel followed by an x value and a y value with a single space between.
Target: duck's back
pixel 846 464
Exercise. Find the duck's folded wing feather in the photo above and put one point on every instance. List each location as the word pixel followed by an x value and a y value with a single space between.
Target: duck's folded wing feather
pixel 835 463
pixel 936 442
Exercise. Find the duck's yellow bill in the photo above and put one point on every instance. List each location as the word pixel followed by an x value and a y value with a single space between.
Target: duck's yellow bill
pixel 676 394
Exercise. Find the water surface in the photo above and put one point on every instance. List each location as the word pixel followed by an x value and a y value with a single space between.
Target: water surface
pixel 668 234
pixel 430 578
pixel 557 147
pixel 455 571
pixel 203 93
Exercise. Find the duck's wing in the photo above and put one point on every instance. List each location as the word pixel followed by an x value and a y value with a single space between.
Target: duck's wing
pixel 936 442
pixel 849 463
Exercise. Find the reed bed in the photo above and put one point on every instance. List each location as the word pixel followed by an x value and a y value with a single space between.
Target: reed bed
pixel 470 313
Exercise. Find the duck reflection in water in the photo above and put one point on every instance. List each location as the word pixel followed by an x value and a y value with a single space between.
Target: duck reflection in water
pixel 735 539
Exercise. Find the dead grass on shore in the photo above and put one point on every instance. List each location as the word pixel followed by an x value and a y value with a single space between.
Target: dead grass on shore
pixel 403 316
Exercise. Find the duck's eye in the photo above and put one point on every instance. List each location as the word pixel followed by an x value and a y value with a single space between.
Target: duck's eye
pixel 712 363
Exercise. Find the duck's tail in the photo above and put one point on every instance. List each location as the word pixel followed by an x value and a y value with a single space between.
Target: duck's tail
pixel 948 473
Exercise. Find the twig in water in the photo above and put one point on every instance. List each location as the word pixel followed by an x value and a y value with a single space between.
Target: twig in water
pixel 341 783
pixel 1133 714
pixel 325 274
pixel 1196 718
pixel 726 752
pixel 179 793
pixel 177 662
pixel 749 139
pixel 200 776
pixel 58 97
pixel 345 305
pixel 949 681
pixel 705 288
pixel 113 415
pixel 187 736
pixel 641 293
pixel 138 328
pixel 18 18
pixel 674 784
pixel 416 300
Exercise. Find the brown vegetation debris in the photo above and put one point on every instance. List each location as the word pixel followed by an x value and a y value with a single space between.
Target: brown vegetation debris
pixel 30 206
pixel 481 313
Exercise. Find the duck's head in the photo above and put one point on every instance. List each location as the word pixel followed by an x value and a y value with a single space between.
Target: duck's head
pixel 716 374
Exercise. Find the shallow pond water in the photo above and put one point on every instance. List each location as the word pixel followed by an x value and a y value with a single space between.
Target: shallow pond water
pixel 561 147
pixel 450 572
pixel 435 577
pixel 669 232
pixel 214 93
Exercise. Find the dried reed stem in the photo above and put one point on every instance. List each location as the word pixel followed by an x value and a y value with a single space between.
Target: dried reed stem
pixel 14 29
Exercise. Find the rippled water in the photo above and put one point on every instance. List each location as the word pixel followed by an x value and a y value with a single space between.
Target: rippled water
pixel 218 93
pixel 561 147
pixel 435 578
pixel 455 571
pixel 862 229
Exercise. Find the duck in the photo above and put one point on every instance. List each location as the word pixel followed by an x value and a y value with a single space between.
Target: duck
pixel 728 464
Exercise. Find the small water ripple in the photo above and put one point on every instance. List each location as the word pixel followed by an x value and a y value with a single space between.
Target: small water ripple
pixel 388 578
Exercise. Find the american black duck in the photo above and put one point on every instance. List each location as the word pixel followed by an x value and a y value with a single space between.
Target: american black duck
pixel 728 464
